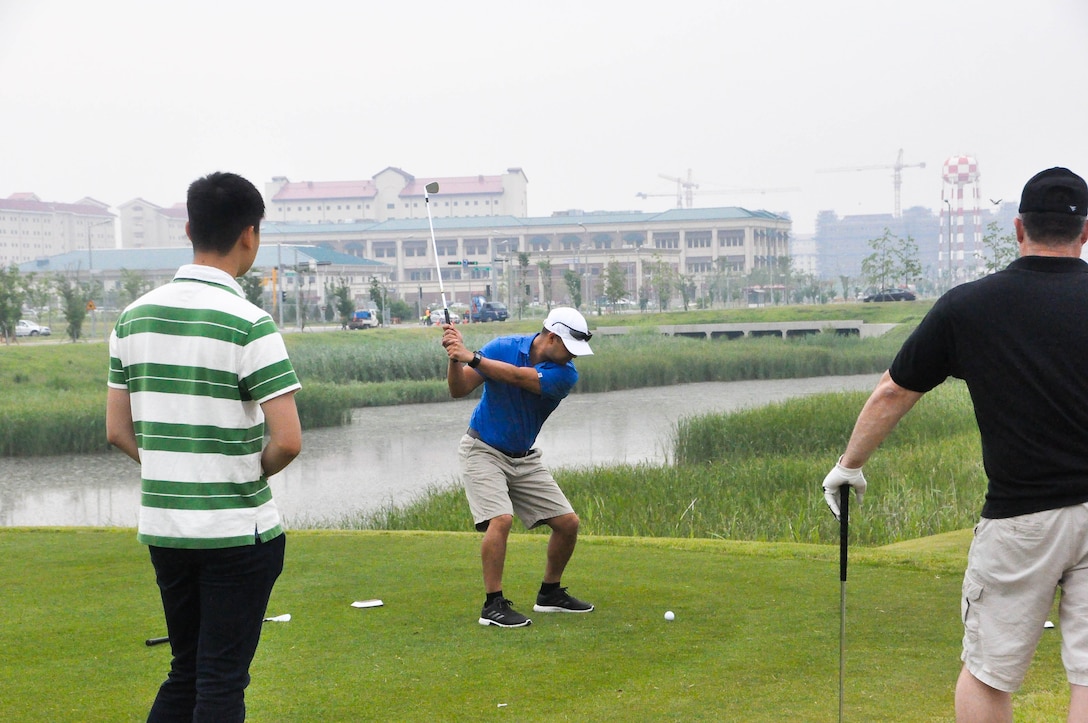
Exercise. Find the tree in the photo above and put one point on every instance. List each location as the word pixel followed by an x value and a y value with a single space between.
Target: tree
pixel 908 266
pixel 39 292
pixel 686 285
pixel 74 297
pixel 615 282
pixel 663 281
pixel 894 260
pixel 340 297
pixel 253 286
pixel 845 281
pixel 12 295
pixel 1000 250
pixel 133 285
pixel 400 309
pixel 544 268
pixel 574 287
pixel 378 295
pixel 523 288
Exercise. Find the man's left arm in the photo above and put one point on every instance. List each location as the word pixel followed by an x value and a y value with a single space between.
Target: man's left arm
pixel 284 433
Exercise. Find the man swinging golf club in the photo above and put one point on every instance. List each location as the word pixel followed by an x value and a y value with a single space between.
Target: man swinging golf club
pixel 524 378
pixel 1019 340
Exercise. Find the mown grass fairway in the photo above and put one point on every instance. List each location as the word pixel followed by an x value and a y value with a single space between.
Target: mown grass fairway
pixel 755 636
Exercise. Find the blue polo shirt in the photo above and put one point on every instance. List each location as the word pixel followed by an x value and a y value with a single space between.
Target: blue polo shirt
pixel 509 418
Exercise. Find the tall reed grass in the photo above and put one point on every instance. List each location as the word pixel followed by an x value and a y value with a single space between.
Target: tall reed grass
pixel 55 401
pixel 756 474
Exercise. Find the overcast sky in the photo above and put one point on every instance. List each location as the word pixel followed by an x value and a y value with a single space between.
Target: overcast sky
pixel 592 98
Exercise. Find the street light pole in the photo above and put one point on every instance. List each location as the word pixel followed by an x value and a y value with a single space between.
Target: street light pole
pixel 584 282
pixel 948 204
pixel 298 295
pixel 90 258
pixel 277 288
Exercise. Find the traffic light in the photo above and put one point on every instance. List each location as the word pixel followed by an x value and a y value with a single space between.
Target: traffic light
pixel 527 291
pixel 283 296
pixel 487 291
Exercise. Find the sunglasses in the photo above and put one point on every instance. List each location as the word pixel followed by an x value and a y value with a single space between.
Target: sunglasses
pixel 576 334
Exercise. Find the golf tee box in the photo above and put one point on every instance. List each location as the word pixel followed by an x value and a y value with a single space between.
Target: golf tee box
pixel 367 604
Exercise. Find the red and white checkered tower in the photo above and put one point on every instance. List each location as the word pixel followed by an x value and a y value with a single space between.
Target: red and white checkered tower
pixel 961 245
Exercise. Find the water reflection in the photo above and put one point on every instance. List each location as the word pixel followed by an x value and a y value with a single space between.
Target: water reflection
pixel 389 455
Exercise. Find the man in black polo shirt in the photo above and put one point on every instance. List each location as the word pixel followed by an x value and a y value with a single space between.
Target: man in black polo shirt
pixel 1019 339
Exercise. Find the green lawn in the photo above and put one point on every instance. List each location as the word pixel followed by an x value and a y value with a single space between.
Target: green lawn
pixel 755 636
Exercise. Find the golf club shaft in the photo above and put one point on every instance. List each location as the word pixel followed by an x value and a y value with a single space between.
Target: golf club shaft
pixel 844 542
pixel 434 245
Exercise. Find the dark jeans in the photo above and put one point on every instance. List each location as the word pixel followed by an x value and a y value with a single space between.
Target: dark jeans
pixel 214 602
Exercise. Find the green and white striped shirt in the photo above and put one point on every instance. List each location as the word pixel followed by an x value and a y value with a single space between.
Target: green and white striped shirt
pixel 198 360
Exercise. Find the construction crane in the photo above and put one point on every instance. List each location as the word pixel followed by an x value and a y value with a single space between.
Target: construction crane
pixel 685 190
pixel 897 174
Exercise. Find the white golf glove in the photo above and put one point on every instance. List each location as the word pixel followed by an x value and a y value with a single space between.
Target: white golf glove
pixel 836 479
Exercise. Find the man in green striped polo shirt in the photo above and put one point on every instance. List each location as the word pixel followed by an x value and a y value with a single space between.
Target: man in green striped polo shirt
pixel 198 378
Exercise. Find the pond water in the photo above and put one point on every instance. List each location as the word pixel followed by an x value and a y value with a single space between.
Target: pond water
pixel 389 455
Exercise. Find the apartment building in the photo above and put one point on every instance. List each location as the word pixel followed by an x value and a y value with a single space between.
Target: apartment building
pixel 31 228
pixel 145 225
pixel 392 194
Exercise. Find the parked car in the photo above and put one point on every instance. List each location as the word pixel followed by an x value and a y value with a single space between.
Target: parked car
pixel 29 328
pixel 438 316
pixel 364 319
pixel 492 311
pixel 891 295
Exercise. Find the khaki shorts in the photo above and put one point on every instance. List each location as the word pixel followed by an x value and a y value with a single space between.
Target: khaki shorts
pixel 1014 568
pixel 496 484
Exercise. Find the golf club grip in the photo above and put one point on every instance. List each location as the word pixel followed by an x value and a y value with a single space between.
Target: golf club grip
pixel 844 528
pixel 156 641
pixel 447 313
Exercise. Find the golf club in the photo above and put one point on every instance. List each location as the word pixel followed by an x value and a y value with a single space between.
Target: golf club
pixel 286 617
pixel 430 188
pixel 844 541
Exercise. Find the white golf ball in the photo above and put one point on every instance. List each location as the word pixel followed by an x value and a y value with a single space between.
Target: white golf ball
pixel 669 615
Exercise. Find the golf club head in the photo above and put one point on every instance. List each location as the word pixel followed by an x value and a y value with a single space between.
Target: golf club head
pixel 432 187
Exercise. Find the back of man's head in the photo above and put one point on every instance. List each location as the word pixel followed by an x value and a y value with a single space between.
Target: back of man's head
pixel 221 206
pixel 1053 206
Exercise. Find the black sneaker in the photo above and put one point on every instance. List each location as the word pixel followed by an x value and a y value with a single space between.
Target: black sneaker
pixel 501 612
pixel 559 601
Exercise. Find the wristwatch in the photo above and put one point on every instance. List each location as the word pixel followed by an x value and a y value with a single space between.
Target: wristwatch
pixel 475 362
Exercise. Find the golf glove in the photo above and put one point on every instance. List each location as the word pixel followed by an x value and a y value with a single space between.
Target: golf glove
pixel 841 476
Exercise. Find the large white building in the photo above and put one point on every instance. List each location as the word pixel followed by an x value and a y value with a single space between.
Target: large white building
pixel 393 193
pixel 31 228
pixel 483 255
pixel 145 225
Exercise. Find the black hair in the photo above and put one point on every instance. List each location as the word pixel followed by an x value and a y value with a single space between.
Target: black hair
pixel 1052 229
pixel 221 206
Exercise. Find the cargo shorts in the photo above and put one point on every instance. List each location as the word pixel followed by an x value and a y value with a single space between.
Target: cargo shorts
pixel 1014 569
pixel 498 484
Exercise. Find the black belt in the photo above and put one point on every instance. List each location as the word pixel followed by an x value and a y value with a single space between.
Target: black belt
pixel 516 455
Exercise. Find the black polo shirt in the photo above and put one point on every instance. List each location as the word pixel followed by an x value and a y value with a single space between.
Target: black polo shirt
pixel 1019 339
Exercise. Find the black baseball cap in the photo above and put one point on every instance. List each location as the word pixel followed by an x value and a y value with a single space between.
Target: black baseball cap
pixel 1055 190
